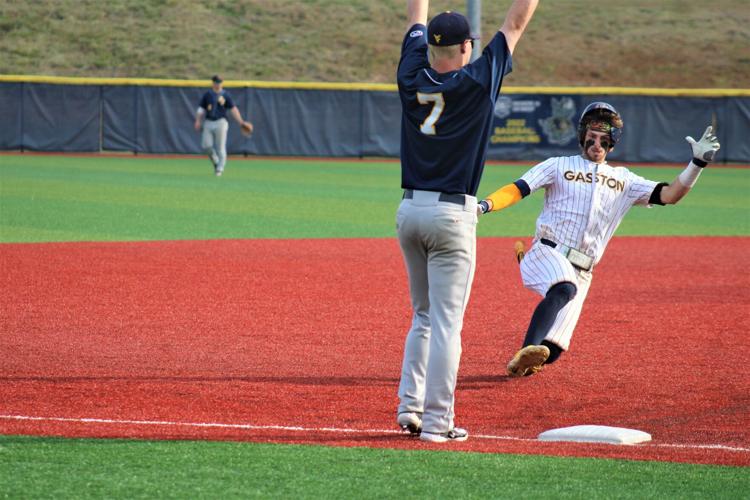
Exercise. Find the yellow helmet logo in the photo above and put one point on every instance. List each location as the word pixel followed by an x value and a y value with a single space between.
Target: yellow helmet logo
pixel 437 37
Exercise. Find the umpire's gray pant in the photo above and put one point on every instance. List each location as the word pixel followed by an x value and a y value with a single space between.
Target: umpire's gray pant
pixel 438 242
pixel 214 141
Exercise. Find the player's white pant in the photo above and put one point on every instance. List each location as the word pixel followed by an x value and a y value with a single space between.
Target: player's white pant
pixel 214 141
pixel 438 242
pixel 542 267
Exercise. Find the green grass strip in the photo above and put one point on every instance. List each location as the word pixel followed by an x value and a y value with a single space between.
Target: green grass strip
pixel 63 198
pixel 95 468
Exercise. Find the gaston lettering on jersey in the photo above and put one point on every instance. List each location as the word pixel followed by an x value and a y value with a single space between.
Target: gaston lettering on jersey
pixel 584 202
pixel 605 180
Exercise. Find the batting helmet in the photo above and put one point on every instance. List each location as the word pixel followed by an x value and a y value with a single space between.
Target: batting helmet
pixel 600 116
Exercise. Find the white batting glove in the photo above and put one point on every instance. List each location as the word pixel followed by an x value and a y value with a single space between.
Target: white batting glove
pixel 705 149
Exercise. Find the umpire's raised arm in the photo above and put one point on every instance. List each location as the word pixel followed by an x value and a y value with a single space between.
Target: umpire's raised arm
pixel 416 12
pixel 516 20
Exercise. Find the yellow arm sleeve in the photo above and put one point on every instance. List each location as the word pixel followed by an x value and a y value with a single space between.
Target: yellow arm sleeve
pixel 504 197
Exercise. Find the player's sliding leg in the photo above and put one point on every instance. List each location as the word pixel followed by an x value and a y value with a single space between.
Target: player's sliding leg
pixel 536 351
pixel 546 312
pixel 558 337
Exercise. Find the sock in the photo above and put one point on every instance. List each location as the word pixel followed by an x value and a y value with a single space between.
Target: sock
pixel 546 312
pixel 554 351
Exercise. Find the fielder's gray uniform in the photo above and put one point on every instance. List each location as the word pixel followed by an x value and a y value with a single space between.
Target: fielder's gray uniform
pixel 438 241
pixel 214 135
pixel 445 125
pixel 214 141
pixel 584 202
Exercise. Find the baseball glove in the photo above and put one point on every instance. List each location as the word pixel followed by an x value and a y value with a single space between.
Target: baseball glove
pixel 246 128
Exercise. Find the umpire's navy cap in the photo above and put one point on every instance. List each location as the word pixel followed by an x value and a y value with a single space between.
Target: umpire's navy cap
pixel 449 28
pixel 216 79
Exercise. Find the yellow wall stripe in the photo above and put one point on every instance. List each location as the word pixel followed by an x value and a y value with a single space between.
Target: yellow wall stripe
pixel 643 91
pixel 156 82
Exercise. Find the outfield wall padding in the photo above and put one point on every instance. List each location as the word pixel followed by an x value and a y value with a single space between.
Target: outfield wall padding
pixel 530 124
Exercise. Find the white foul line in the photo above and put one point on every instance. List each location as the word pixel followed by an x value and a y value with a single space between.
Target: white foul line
pixel 325 429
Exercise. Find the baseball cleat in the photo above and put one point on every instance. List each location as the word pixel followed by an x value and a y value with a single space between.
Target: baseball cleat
pixel 410 421
pixel 455 434
pixel 528 361
pixel 520 250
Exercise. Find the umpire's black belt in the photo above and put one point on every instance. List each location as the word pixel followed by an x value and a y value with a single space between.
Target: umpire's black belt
pixel 458 199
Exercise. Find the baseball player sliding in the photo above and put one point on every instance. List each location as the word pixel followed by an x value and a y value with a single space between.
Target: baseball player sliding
pixel 585 199
pixel 214 106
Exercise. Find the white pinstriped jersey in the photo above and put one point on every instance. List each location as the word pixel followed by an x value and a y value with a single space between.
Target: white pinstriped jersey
pixel 584 202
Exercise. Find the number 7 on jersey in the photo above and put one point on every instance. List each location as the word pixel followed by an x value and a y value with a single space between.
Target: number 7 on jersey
pixel 438 105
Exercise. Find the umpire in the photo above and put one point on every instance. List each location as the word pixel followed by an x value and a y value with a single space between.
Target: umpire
pixel 447 117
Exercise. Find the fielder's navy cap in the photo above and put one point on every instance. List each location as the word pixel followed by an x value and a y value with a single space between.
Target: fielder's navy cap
pixel 216 79
pixel 449 28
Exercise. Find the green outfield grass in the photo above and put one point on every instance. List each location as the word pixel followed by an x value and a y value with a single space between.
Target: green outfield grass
pixel 90 468
pixel 50 198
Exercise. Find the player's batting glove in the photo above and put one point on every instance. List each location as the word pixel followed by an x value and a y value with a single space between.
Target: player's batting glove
pixel 705 149
pixel 483 207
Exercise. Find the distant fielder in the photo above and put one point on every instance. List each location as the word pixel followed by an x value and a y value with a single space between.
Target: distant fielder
pixel 213 106
pixel 585 200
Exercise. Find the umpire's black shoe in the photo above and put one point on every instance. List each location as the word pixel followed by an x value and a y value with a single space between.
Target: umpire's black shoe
pixel 455 434
pixel 410 421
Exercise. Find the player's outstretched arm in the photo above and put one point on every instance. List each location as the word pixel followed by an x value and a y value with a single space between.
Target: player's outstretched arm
pixel 416 12
pixel 237 115
pixel 247 127
pixel 508 195
pixel 516 20
pixel 704 152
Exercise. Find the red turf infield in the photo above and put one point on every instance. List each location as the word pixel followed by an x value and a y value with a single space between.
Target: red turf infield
pixel 280 334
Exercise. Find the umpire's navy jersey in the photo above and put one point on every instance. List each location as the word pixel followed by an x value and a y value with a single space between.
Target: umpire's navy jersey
pixel 214 109
pixel 447 117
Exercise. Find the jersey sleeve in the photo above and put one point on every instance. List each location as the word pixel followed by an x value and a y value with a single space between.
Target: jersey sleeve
pixel 228 102
pixel 413 53
pixel 492 66
pixel 541 175
pixel 639 189
pixel 204 101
